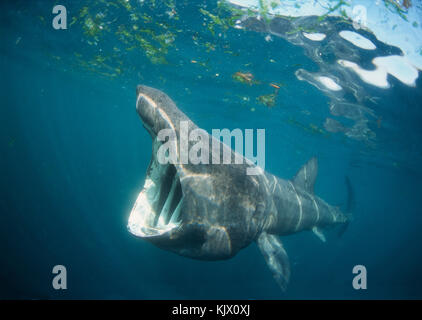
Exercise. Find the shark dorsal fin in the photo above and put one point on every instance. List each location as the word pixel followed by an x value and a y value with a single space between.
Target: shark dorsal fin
pixel 306 176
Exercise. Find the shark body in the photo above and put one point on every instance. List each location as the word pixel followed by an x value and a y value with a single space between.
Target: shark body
pixel 211 211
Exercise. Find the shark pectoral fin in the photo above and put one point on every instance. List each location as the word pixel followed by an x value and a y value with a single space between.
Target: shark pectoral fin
pixel 276 257
pixel 306 176
pixel 319 234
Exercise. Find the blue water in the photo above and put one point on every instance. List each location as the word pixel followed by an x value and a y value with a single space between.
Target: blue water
pixel 73 156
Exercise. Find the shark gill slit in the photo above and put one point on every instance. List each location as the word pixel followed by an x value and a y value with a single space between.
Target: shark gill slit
pixel 300 206
pixel 316 208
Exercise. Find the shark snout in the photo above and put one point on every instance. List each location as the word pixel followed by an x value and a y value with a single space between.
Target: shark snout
pixel 147 108
pixel 158 111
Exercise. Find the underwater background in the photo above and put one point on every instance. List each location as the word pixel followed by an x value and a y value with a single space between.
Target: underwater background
pixel 73 152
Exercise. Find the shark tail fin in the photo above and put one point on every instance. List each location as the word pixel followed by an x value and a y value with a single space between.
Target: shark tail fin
pixel 276 257
pixel 350 205
pixel 342 229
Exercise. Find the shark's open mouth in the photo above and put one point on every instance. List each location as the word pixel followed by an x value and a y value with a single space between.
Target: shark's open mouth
pixel 157 210
pixel 158 207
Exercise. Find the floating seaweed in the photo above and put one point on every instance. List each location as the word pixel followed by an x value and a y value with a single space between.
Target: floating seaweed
pixel 310 128
pixel 268 99
pixel 244 77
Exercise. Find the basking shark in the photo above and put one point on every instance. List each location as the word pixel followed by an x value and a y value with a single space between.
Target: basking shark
pixel 211 211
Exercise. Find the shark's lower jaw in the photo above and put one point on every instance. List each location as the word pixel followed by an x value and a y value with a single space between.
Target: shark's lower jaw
pixel 157 210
